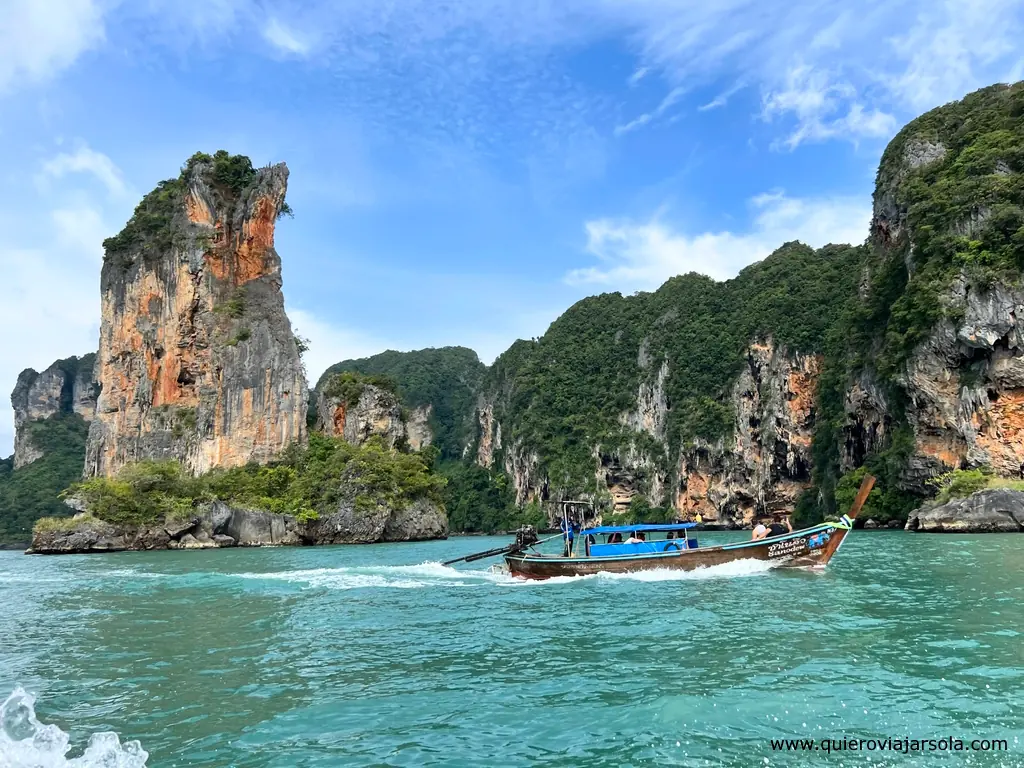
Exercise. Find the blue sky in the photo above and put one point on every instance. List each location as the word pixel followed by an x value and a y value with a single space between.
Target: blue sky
pixel 462 170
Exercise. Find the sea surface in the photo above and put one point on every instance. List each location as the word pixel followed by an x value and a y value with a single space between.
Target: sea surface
pixel 380 656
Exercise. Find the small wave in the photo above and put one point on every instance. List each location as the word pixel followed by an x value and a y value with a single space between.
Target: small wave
pixel 430 574
pixel 131 573
pixel 27 743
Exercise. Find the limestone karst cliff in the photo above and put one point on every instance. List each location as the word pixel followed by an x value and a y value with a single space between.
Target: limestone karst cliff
pixel 436 387
pixel 66 387
pixel 930 374
pixel 52 411
pixel 725 399
pixel 197 359
pixel 358 410
pixel 765 465
pixel 698 398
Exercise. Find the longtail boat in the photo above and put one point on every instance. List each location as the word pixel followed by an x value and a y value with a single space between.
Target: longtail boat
pixel 584 554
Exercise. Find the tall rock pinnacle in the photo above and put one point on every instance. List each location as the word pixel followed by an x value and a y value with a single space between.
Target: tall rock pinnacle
pixel 197 359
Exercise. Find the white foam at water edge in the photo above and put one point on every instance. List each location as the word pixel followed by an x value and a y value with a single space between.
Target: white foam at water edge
pixel 27 743
pixel 433 574
pixel 748 567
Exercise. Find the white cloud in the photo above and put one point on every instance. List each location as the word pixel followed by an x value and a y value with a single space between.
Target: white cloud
pixel 86 160
pixel 666 104
pixel 817 101
pixel 49 299
pixel 722 99
pixel 642 255
pixel 50 262
pixel 284 39
pixel 855 69
pixel 38 39
pixel 951 44
pixel 329 343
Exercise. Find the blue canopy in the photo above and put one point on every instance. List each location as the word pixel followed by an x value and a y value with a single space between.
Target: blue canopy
pixel 639 527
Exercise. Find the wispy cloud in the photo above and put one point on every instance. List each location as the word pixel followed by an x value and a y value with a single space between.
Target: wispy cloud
pixel 441 67
pixel 824 108
pixel 666 104
pixel 722 99
pixel 39 39
pixel 824 71
pixel 641 255
pixel 86 160
pixel 284 39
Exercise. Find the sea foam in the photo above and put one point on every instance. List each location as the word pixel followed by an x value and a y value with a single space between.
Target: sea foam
pixel 434 574
pixel 27 743
pixel 430 574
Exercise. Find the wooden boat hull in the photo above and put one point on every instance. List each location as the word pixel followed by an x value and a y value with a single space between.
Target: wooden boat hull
pixel 807 548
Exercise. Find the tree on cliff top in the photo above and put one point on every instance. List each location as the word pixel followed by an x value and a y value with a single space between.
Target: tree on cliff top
pixel 150 229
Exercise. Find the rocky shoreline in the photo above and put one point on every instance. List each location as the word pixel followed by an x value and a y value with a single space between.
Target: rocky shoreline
pixel 998 510
pixel 218 525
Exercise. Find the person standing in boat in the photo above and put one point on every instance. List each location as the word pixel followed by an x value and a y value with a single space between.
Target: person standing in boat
pixel 569 532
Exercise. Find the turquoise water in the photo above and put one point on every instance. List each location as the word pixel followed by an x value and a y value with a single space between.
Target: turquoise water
pixel 379 656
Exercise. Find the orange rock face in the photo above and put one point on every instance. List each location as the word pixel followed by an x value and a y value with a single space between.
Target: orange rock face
pixel 966 392
pixel 197 358
pixel 766 464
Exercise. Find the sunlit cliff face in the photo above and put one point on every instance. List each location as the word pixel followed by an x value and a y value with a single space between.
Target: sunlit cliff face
pixel 197 359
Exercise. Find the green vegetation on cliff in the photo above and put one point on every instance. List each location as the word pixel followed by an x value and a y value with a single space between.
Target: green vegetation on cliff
pixel 306 482
pixel 964 208
pixel 949 201
pixel 150 231
pixel 566 392
pixel 33 491
pixel 348 386
pixel 447 379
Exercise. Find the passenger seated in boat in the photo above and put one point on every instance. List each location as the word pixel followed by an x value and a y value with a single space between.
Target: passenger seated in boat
pixel 759 532
pixel 776 528
pixel 670 535
pixel 634 539
pixel 615 538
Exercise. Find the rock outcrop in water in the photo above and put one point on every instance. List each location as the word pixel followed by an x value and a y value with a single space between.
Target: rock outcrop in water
pixel 219 525
pixel 66 387
pixel 998 510
pixel 197 359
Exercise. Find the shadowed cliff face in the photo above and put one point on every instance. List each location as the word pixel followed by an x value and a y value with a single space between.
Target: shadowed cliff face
pixel 377 412
pixel 197 358
pixel 67 386
pixel 759 470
